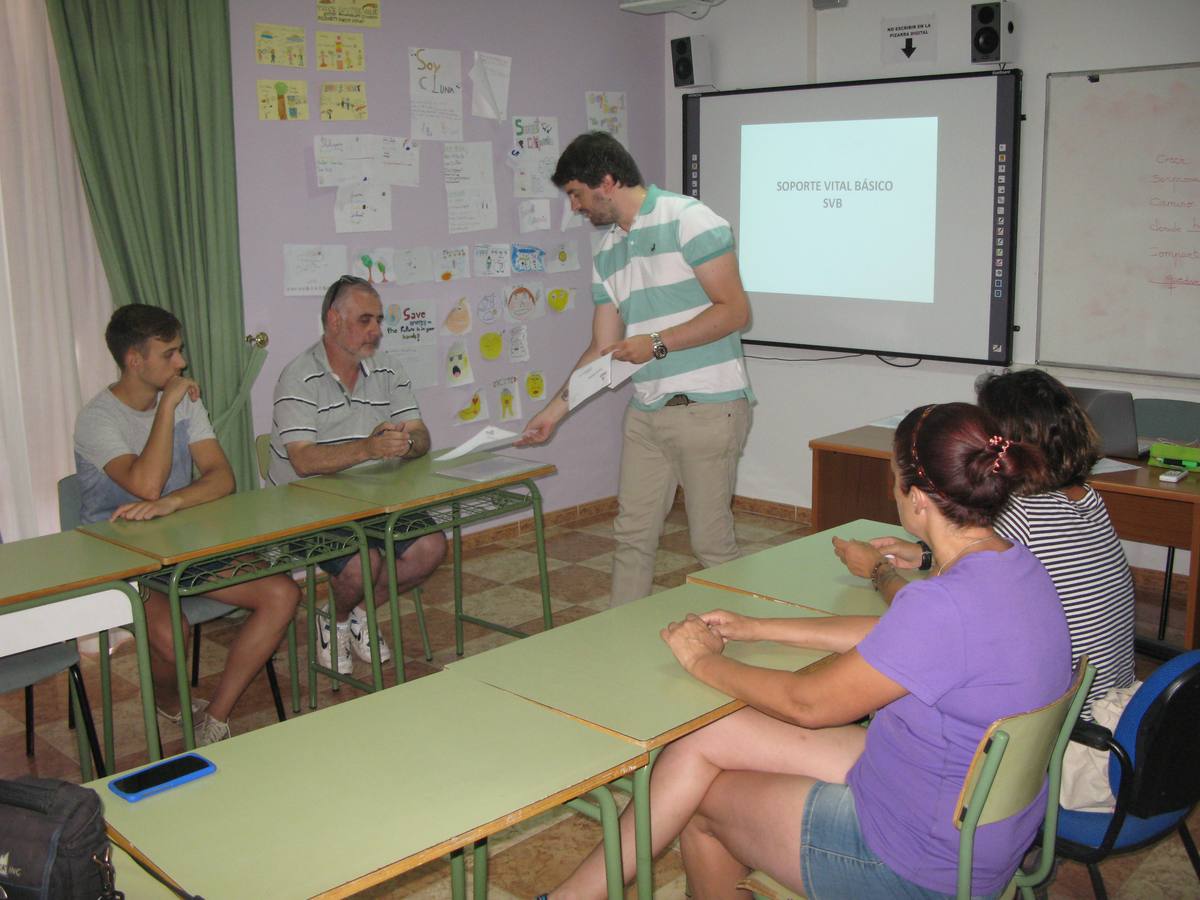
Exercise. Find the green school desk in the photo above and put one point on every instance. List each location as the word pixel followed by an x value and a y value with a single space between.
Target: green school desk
pixel 448 761
pixel 239 538
pixel 60 567
pixel 612 670
pixel 420 497
pixel 807 572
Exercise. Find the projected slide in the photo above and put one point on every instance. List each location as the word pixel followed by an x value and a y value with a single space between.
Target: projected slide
pixel 840 208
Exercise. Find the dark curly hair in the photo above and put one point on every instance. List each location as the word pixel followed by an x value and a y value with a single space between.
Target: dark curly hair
pixel 1031 405
pixel 593 155
pixel 132 325
pixel 958 455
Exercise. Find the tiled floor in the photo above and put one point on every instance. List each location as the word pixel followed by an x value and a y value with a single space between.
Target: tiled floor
pixel 501 583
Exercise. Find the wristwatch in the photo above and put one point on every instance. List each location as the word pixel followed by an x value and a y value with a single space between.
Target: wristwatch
pixel 660 349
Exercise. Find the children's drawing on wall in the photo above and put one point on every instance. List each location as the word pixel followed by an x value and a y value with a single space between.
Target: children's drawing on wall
pixel 518 344
pixel 524 302
pixel 458 320
pixel 533 215
pixel 606 112
pixel 363 206
pixel 361 13
pixel 534 155
pixel 527 258
pixel 340 51
pixel 282 101
pixel 562 257
pixel 476 410
pixel 535 385
pixel 375 265
pixel 560 299
pixel 397 161
pixel 536 135
pixel 489 85
pixel 491 345
pixel 343 101
pixel 279 45
pixel 342 158
pixel 458 365
pixel 435 93
pixel 410 331
pixel 453 262
pixel 309 269
pixel 509 395
pixel 414 265
pixel 492 260
pixel 488 307
pixel 470 186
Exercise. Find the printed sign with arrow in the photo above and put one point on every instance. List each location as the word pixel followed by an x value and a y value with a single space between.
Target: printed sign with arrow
pixel 909 40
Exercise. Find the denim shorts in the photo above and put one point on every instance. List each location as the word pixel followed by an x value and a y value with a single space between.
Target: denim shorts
pixel 836 861
pixel 335 566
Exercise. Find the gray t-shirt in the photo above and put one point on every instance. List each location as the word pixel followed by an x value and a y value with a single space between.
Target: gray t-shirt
pixel 106 429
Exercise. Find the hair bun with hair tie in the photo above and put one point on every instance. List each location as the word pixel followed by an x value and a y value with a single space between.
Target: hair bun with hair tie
pixel 1000 446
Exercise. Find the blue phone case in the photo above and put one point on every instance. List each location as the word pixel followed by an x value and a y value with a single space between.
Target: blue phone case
pixel 133 796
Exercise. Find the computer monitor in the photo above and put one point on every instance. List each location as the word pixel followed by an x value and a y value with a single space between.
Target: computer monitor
pixel 1112 416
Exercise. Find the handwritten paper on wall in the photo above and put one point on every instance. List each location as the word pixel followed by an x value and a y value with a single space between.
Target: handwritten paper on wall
pixel 362 13
pixel 435 91
pixel 279 45
pixel 470 186
pixel 489 82
pixel 342 158
pixel 534 155
pixel 340 51
pixel 362 206
pixel 309 269
pixel 606 112
pixel 282 101
pixel 410 332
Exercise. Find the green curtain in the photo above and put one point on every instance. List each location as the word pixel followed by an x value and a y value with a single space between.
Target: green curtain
pixel 149 96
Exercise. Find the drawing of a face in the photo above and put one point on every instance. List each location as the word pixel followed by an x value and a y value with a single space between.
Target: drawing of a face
pixel 558 298
pixel 535 385
pixel 521 303
pixel 506 404
pixel 458 365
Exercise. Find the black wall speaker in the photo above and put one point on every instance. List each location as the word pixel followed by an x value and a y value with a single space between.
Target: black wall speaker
pixel 992 33
pixel 691 64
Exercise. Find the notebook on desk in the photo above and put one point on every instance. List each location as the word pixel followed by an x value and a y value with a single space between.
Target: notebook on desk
pixel 1112 416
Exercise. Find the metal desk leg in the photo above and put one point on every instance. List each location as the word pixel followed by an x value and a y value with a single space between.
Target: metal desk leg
pixel 458 589
pixel 364 554
pixel 110 752
pixel 641 820
pixel 310 605
pixel 389 562
pixel 539 532
pixel 181 674
pixel 458 875
pixel 293 666
pixel 479 872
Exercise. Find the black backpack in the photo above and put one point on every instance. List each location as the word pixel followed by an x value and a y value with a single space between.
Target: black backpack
pixel 52 841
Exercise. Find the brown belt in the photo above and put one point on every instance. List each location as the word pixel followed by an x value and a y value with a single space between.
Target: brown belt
pixel 679 400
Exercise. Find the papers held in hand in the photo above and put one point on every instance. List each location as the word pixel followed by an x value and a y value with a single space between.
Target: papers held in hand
pixel 489 438
pixel 597 375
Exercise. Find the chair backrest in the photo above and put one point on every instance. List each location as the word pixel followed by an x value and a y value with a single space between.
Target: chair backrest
pixel 1011 764
pixel 1175 421
pixel 70 503
pixel 262 448
pixel 1160 729
pixel 1113 416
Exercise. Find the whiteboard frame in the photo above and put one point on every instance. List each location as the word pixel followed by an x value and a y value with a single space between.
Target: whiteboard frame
pixel 1039 359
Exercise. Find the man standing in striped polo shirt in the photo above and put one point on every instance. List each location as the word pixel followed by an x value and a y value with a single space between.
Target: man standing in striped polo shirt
pixel 667 293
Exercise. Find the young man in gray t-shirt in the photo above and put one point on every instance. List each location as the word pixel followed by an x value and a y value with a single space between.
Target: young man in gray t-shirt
pixel 136 444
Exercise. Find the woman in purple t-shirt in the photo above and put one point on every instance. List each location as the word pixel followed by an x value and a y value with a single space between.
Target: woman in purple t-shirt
pixel 789 784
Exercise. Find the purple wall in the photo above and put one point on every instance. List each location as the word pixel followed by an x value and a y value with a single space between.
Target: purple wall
pixel 559 50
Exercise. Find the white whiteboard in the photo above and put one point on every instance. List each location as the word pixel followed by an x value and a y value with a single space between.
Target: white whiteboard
pixel 1120 261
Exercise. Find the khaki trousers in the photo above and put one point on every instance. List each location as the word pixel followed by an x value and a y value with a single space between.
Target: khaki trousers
pixel 698 446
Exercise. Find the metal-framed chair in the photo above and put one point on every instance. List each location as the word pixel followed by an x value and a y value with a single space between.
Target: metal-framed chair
pixel 198 609
pixel 1177 422
pixel 1016 757
pixel 1152 770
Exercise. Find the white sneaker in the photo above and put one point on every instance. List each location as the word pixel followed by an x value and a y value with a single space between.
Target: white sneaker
pixel 360 637
pixel 345 665
pixel 198 706
pixel 209 730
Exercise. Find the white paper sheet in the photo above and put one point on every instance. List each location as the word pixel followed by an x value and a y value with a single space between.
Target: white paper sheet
pixel 489 78
pixel 489 438
pixel 597 375
pixel 493 467
pixel 309 269
pixel 1107 465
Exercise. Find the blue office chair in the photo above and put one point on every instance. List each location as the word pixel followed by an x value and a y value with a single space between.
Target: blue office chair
pixel 197 610
pixel 1152 769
